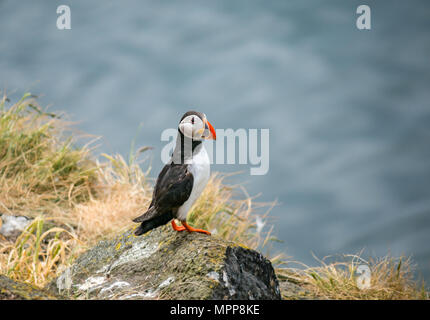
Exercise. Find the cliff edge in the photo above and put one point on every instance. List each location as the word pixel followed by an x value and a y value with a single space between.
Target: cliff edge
pixel 165 264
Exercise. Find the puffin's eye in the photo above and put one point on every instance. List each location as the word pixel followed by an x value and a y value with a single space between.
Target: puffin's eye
pixel 192 120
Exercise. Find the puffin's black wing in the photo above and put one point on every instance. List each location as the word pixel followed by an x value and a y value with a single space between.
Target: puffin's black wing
pixel 173 187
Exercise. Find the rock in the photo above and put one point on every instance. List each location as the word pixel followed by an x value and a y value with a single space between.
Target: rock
pixel 165 264
pixel 12 226
pixel 14 290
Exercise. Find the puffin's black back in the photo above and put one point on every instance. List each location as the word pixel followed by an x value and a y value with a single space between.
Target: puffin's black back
pixel 172 189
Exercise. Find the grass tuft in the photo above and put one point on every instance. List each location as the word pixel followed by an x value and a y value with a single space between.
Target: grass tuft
pixel 341 279
pixel 38 253
pixel 38 165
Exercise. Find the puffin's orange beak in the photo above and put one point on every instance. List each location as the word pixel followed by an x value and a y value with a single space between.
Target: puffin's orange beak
pixel 209 127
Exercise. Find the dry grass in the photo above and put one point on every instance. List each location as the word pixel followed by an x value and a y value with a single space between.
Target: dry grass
pixel 122 192
pixel 38 252
pixel 390 279
pixel 39 166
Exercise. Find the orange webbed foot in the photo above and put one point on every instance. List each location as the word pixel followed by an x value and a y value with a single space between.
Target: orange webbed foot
pixel 191 229
pixel 176 227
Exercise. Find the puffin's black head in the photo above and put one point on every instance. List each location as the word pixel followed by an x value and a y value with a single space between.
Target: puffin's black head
pixel 194 125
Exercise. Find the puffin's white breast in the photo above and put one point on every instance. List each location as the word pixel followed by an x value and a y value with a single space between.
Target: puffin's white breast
pixel 200 169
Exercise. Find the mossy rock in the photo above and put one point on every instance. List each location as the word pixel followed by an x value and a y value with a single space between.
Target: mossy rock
pixel 14 290
pixel 165 264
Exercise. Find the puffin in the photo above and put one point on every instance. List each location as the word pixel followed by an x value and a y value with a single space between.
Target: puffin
pixel 182 180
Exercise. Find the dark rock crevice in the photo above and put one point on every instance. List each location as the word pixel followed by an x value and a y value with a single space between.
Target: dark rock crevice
pixel 247 275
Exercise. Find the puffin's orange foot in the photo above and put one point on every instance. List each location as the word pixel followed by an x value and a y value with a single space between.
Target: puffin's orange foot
pixel 176 227
pixel 191 229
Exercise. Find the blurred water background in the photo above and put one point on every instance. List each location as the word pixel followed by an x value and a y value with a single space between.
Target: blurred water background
pixel 348 110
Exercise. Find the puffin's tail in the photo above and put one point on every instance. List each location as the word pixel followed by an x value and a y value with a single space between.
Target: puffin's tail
pixel 147 215
pixel 152 223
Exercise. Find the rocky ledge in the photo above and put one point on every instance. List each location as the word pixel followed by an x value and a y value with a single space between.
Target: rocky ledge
pixel 14 290
pixel 165 264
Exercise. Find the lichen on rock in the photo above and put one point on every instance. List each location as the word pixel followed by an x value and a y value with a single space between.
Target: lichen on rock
pixel 15 290
pixel 165 264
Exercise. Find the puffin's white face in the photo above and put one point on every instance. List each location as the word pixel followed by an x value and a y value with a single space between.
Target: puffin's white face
pixel 196 128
